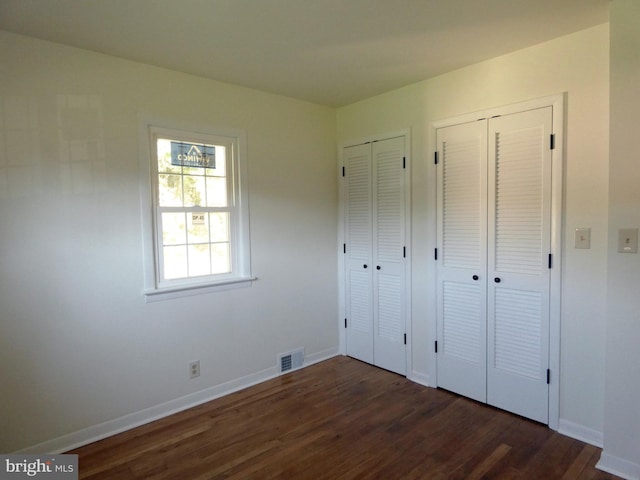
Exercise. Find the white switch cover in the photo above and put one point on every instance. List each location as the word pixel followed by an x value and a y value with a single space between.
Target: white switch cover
pixel 583 238
pixel 628 240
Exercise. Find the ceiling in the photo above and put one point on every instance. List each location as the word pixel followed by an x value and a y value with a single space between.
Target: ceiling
pixel 331 52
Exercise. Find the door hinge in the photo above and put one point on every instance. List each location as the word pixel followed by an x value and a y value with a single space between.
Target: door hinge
pixel 552 143
pixel 548 376
pixel 435 158
pixel 404 252
pixel 550 261
pixel 343 171
pixel 404 162
pixel 405 338
pixel 436 345
pixel 345 323
pixel 435 256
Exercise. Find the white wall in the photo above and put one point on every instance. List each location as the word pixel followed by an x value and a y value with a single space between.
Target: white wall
pixel 622 399
pixel 78 344
pixel 576 64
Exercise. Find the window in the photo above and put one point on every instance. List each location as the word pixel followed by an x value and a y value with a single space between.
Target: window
pixel 198 211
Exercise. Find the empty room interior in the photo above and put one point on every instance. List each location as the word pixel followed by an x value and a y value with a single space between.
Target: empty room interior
pixel 201 200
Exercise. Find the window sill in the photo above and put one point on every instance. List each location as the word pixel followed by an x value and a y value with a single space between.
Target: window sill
pixel 160 294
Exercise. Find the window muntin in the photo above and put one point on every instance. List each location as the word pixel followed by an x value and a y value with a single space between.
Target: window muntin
pixel 195 210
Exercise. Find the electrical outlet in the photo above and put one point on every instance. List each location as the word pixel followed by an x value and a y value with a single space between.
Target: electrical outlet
pixel 194 369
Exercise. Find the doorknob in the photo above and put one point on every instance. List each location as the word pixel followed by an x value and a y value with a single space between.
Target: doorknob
pixel 475 277
pixel 497 280
pixel 378 267
pixel 365 265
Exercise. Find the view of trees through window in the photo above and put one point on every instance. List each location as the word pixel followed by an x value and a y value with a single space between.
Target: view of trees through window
pixel 193 214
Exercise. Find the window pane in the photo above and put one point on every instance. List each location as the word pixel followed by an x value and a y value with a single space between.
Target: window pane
pixel 173 229
pixel 164 158
pixel 221 163
pixel 199 263
pixel 216 192
pixel 198 227
pixel 175 262
pixel 170 190
pixel 220 258
pixel 194 190
pixel 219 226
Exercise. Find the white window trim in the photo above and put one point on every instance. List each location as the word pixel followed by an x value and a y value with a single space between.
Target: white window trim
pixel 241 276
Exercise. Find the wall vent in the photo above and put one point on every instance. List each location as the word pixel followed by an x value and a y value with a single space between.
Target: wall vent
pixel 291 360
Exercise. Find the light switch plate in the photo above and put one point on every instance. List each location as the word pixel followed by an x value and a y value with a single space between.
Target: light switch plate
pixel 583 237
pixel 628 240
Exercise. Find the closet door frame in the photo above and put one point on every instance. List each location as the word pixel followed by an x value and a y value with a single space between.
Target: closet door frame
pixel 342 215
pixel 557 102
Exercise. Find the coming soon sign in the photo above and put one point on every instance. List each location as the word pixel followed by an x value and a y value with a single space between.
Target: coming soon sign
pixel 193 155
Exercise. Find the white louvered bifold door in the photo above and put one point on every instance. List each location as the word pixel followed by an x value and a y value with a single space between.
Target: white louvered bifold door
pixel 518 262
pixel 462 260
pixel 359 250
pixel 388 254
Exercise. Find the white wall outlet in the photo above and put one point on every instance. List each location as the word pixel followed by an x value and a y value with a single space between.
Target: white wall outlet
pixel 194 369
pixel 628 240
pixel 583 237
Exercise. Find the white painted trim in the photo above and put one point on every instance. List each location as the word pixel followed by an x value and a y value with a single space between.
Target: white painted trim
pixel 127 422
pixel 580 432
pixel 618 466
pixel 557 102
pixel 408 222
pixel 419 378
pixel 188 290
pixel 148 127
pixel 342 214
pixel 557 223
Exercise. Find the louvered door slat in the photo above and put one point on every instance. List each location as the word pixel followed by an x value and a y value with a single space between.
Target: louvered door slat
pixel 517 332
pixel 462 329
pixel 360 301
pixel 462 202
pixel 519 200
pixel 389 202
pixel 359 206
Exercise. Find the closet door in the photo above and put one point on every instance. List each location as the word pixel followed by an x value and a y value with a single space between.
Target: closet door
pixel 388 254
pixel 462 261
pixel 519 262
pixel 359 248
pixel 375 253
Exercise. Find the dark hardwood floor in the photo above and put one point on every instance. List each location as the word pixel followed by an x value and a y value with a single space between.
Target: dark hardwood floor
pixel 340 419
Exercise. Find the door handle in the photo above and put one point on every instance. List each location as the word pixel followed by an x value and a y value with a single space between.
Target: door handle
pixel 365 265
pixel 476 277
pixel 497 280
pixel 378 267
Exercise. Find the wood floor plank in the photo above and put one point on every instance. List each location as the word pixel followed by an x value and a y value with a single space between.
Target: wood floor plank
pixel 340 419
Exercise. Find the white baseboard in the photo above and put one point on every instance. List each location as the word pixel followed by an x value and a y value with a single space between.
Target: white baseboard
pixel 127 422
pixel 580 432
pixel 420 378
pixel 618 466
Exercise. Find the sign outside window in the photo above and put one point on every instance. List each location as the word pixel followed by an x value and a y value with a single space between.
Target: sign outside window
pixel 192 155
pixel 197 218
